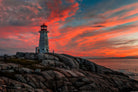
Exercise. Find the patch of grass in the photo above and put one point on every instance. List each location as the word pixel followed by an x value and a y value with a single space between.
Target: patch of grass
pixel 24 62
pixel 31 64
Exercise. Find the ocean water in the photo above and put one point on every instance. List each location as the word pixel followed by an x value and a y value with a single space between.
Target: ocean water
pixel 127 66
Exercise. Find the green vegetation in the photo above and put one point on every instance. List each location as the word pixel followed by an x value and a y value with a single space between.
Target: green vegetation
pixel 31 64
pixel 23 62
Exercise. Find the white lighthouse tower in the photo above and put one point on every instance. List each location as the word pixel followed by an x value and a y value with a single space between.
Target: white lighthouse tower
pixel 43 41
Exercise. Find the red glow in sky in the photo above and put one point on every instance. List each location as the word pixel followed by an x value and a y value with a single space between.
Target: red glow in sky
pixel 77 27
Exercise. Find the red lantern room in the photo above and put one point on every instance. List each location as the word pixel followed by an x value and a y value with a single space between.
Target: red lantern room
pixel 44 27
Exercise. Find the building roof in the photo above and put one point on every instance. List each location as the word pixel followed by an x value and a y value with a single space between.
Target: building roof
pixel 44 25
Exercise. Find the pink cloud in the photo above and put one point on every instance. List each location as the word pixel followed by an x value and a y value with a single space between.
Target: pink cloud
pixel 82 40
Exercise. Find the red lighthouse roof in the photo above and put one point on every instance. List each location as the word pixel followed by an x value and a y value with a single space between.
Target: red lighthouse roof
pixel 44 25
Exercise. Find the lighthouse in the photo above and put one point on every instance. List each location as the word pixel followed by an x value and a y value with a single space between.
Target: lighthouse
pixel 43 41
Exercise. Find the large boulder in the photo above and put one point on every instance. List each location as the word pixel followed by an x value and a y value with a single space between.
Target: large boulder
pixel 25 70
pixel 53 63
pixel 26 55
pixel 42 56
pixel 71 62
pixel 20 54
pixel 31 56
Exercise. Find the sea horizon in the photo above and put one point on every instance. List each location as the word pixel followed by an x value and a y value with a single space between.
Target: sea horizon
pixel 126 66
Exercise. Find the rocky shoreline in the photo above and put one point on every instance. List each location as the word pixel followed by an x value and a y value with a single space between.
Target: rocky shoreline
pixel 30 72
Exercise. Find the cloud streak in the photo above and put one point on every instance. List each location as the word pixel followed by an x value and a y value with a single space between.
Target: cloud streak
pixel 74 29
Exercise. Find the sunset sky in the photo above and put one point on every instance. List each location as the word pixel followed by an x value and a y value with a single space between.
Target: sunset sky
pixel 92 28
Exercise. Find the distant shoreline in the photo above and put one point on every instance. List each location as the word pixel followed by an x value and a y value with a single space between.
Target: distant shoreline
pixel 112 58
pixel 131 57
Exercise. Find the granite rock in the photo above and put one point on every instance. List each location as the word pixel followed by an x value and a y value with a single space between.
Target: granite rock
pixel 61 73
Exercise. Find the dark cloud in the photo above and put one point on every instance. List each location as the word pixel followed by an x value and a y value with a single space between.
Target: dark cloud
pixel 4 39
pixel 125 42
pixel 33 12
pixel 98 26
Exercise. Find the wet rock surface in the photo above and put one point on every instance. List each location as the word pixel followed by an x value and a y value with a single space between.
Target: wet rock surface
pixel 60 73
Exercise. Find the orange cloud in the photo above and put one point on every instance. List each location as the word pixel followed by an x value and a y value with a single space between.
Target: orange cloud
pixel 87 39
pixel 83 45
pixel 60 12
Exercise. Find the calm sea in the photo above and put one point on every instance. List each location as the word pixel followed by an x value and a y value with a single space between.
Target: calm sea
pixel 127 66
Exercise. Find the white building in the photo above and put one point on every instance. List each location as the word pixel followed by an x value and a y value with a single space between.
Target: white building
pixel 43 41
